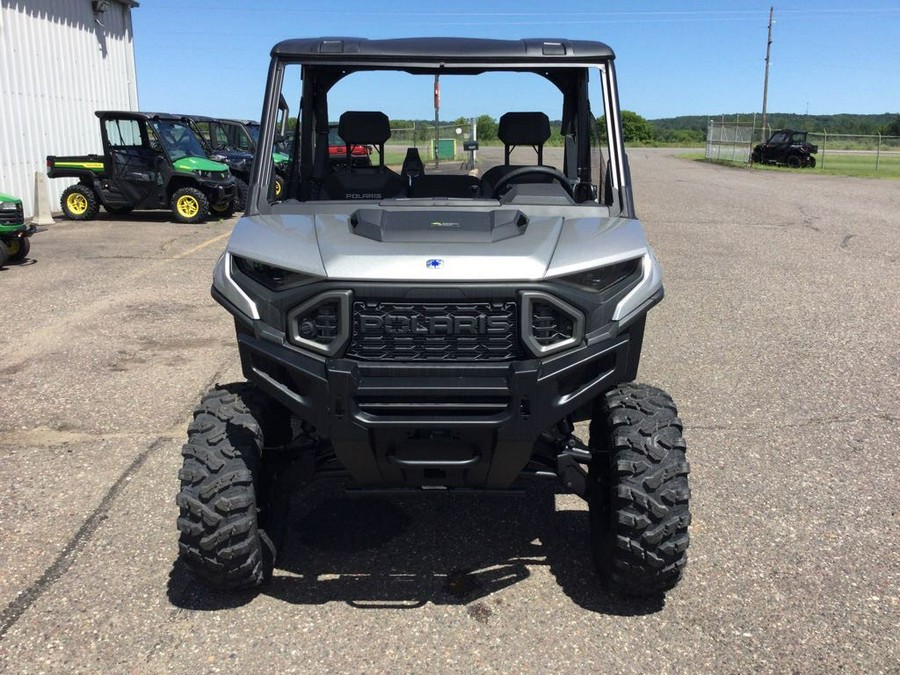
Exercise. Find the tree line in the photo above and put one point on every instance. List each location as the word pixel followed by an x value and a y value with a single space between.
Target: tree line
pixel 684 130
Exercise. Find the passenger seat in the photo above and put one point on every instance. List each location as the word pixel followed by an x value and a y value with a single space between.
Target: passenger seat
pixel 363 182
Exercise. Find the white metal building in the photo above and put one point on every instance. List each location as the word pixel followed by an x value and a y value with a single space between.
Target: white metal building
pixel 60 60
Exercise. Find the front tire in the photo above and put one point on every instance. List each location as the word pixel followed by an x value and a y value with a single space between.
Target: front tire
pixel 190 205
pixel 78 202
pixel 638 490
pixel 240 198
pixel 794 161
pixel 18 249
pixel 4 254
pixel 223 210
pixel 222 538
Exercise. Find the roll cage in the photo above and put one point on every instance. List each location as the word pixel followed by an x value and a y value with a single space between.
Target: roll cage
pixel 326 61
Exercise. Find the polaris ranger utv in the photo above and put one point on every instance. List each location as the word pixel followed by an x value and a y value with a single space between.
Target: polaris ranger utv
pixel 787 147
pixel 440 330
pixel 149 161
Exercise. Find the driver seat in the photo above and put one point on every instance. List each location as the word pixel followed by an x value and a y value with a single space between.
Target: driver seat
pixel 518 128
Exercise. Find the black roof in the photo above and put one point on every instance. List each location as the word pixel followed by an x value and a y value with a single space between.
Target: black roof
pixel 135 115
pixel 447 50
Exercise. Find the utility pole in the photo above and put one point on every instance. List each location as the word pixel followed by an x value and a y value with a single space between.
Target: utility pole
pixel 766 83
pixel 437 107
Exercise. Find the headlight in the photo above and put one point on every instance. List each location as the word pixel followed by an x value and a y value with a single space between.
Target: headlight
pixel 273 278
pixel 216 175
pixel 601 278
pixel 9 206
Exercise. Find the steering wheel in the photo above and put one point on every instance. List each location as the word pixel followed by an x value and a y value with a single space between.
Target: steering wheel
pixel 555 174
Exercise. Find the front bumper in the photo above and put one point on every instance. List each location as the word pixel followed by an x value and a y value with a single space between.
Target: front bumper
pixel 16 230
pixel 448 424
pixel 218 192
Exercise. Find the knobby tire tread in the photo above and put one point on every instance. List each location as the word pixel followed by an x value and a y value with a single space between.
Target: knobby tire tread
pixel 638 490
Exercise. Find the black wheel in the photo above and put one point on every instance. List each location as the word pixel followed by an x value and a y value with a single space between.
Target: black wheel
pixel 240 199
pixel 794 161
pixel 190 205
pixel 78 202
pixel 557 175
pixel 118 210
pixel 755 157
pixel 18 249
pixel 223 498
pixel 4 254
pixel 812 163
pixel 638 490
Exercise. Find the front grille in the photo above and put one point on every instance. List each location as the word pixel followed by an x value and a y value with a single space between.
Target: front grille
pixel 14 217
pixel 477 331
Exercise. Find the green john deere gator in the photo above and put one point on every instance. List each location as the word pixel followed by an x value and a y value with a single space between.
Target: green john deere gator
pixel 149 161
pixel 14 234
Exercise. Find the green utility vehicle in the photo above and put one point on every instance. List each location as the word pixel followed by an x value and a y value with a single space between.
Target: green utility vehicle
pixel 14 243
pixel 233 142
pixel 149 161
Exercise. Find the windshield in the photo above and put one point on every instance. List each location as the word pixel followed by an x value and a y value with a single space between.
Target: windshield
pixel 383 134
pixel 177 138
pixel 253 130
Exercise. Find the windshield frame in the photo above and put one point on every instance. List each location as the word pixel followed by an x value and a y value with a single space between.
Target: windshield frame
pixel 620 200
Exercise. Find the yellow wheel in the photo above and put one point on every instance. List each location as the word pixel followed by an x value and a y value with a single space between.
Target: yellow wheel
pixel 187 206
pixel 279 187
pixel 190 205
pixel 79 202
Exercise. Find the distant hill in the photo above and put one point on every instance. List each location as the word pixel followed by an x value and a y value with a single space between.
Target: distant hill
pixel 693 127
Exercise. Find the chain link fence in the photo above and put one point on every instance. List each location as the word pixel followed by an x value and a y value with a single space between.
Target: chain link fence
pixel 422 136
pixel 733 142
pixel 730 142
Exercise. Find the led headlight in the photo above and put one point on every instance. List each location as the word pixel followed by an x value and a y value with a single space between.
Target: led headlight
pixel 217 175
pixel 273 278
pixel 9 206
pixel 600 278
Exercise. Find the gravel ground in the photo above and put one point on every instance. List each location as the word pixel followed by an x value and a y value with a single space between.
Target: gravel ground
pixel 778 339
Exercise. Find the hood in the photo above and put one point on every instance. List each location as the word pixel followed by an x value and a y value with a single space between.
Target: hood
pixel 280 157
pixel 230 156
pixel 9 198
pixel 189 164
pixel 334 245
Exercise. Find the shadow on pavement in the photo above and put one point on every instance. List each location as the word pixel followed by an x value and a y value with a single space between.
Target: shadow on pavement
pixel 374 551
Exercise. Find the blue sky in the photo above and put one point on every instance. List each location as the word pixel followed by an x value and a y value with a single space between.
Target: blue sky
pixel 689 57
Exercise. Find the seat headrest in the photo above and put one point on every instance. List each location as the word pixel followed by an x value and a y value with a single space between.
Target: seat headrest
pixel 523 128
pixel 364 127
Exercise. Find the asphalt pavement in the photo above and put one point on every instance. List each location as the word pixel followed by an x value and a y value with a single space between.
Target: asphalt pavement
pixel 778 339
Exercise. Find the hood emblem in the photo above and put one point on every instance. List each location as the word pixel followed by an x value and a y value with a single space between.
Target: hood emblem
pixel 434 263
